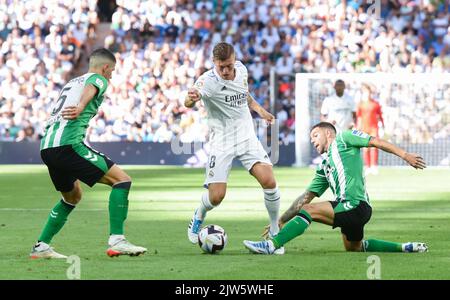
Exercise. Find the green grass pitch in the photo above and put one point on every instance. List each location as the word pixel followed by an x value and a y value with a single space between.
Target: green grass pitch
pixel 409 205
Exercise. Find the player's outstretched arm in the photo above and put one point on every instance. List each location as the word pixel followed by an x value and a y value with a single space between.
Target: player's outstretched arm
pixel 293 210
pixel 414 160
pixel 72 112
pixel 192 97
pixel 264 114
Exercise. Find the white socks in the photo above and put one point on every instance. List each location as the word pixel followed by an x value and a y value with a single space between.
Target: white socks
pixel 205 206
pixel 272 202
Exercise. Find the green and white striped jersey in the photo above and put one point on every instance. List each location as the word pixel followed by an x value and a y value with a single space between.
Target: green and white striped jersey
pixel 342 168
pixel 59 131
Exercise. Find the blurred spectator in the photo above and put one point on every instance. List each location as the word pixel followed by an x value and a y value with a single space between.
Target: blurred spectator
pixel 41 43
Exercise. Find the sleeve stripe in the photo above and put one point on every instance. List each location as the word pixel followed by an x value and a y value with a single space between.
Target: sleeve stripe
pixel 342 139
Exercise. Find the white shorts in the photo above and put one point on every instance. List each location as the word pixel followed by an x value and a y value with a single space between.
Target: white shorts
pixel 220 160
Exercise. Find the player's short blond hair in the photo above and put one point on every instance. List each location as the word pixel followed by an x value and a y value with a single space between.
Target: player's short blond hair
pixel 100 57
pixel 222 51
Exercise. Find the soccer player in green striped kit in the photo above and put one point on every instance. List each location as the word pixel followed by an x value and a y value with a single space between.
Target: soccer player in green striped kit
pixel 70 161
pixel 342 171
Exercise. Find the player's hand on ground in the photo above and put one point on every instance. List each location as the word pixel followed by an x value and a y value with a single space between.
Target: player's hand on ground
pixel 280 225
pixel 415 160
pixel 265 233
pixel 270 119
pixel 71 112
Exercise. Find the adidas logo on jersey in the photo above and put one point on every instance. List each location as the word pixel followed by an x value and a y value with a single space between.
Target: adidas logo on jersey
pixel 223 88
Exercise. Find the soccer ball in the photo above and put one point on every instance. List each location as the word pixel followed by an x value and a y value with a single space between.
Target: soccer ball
pixel 212 239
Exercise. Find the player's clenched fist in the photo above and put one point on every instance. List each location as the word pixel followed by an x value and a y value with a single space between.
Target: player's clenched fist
pixel 270 119
pixel 192 97
pixel 194 94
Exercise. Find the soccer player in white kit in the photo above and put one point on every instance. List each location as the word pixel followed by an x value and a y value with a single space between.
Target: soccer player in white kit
pixel 339 109
pixel 224 91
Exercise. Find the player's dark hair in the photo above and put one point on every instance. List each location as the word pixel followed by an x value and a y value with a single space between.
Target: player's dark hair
pixel 339 81
pixel 222 51
pixel 325 125
pixel 102 53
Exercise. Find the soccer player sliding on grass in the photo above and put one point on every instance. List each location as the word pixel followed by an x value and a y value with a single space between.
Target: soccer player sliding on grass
pixel 342 171
pixel 70 161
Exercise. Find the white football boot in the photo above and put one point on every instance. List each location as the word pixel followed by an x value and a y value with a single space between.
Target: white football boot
pixel 260 247
pixel 414 247
pixel 194 228
pixel 43 250
pixel 124 247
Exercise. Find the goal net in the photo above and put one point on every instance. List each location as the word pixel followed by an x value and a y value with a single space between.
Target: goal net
pixel 415 108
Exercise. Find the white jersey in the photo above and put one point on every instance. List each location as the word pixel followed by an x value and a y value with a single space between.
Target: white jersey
pixel 229 119
pixel 340 110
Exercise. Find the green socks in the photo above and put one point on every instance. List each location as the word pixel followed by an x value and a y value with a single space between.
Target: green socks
pixel 56 220
pixel 118 206
pixel 118 210
pixel 301 222
pixel 373 245
pixel 292 229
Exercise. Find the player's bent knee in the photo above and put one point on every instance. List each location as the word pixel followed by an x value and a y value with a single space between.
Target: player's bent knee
pixel 117 178
pixel 312 211
pixel 269 183
pixel 353 247
pixel 122 176
pixel 125 178
pixel 73 197
pixel 216 197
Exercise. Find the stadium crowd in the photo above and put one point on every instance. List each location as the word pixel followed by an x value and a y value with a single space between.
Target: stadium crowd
pixel 162 46
pixel 41 42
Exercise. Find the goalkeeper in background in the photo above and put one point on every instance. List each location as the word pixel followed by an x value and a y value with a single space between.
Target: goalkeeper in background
pixel 70 161
pixel 342 171
pixel 368 116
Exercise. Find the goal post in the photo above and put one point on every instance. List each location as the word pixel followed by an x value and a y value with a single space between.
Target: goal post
pixel 416 111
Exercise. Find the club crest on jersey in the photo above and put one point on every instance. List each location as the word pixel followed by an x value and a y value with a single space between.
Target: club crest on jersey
pixel 99 82
pixel 360 134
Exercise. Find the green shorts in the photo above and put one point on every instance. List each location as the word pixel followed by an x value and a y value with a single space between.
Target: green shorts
pixel 68 163
pixel 351 216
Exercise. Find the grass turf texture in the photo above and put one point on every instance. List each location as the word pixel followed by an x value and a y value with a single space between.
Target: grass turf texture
pixel 409 205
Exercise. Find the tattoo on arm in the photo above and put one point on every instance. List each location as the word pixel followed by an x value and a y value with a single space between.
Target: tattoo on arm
pixel 293 210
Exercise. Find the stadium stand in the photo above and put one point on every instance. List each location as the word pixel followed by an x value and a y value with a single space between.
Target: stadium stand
pixel 163 45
